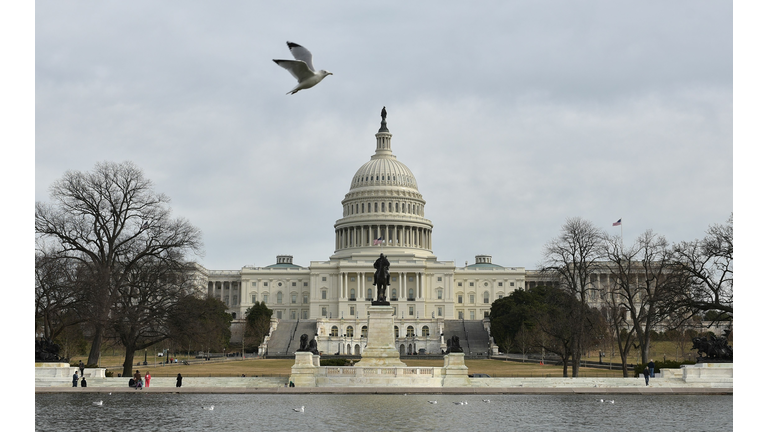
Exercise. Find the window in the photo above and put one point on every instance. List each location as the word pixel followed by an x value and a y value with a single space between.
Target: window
pixel 293 298
pixel 305 298
pixel 351 311
pixel 265 298
pixel 369 296
pixel 511 284
pixel 394 278
pixel 350 331
pixel 279 297
pixel 279 314
pixel 409 332
pixel 439 311
pixel 471 298
pixel 410 294
pixel 425 331
pixel 293 314
pixel 410 310
pixel 461 315
pixel 266 283
pixel 439 278
pixel 279 284
pixel 351 278
pixel 410 278
pixel 253 284
pixel 397 332
pixel 364 332
pixel 439 294
pixel 352 294
pixel 501 283
pixel 393 296
pixel 459 283
pixel 293 283
pixel 461 298
pixel 306 283
pixel 253 298
pixel 323 294
pixel 324 311
pixel 486 297
pixel 334 331
pixel 323 278
pixel 471 284
pixel 471 315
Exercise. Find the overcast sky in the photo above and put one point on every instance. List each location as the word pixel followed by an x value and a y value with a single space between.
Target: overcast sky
pixel 513 116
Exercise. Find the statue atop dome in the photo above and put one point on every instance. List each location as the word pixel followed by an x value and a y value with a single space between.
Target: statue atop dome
pixel 383 127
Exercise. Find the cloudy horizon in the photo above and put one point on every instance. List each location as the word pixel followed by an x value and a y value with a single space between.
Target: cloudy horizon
pixel 513 116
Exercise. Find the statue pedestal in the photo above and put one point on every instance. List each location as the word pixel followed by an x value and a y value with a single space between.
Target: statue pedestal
pixel 455 370
pixel 304 369
pixel 381 350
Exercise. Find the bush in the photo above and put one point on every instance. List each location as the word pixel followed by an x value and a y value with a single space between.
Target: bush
pixel 664 364
pixel 109 374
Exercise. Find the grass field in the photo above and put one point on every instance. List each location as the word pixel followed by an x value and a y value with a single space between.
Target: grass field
pixel 113 361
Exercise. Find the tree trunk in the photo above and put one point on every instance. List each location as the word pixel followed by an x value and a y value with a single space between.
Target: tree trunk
pixel 93 356
pixel 128 363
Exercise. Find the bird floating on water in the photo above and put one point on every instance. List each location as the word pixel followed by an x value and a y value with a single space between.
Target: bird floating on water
pixel 433 402
pixel 210 408
pixel 302 68
pixel 299 409
pixel 462 403
pixel 99 403
pixel 487 400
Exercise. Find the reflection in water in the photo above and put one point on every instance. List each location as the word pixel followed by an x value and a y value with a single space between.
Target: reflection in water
pixel 186 412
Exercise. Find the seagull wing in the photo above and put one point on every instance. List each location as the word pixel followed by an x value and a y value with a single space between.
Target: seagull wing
pixel 302 54
pixel 297 68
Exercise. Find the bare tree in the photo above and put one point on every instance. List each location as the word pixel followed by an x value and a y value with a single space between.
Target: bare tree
pixel 643 277
pixel 572 259
pixel 56 295
pixel 143 308
pixel 708 268
pixel 109 220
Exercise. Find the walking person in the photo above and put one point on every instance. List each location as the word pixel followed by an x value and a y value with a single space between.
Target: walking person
pixel 74 379
pixel 178 380
pixel 646 374
pixel 147 377
pixel 651 366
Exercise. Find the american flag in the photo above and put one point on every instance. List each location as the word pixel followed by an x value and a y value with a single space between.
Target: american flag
pixel 617 223
pixel 378 241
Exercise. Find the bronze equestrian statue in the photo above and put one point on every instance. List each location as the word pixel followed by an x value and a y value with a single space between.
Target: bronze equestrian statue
pixel 381 281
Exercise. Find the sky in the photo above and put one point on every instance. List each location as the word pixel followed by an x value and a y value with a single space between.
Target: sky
pixel 513 116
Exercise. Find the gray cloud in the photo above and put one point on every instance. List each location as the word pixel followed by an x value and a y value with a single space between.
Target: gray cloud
pixel 512 115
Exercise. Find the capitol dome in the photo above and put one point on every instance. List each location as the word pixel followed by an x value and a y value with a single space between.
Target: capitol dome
pixel 383 208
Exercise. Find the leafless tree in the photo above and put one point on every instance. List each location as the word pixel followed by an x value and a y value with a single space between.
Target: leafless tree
pixel 642 277
pixel 57 298
pixel 572 259
pixel 110 220
pixel 708 267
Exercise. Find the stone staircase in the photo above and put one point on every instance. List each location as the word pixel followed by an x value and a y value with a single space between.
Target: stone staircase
pixel 473 337
pixel 285 339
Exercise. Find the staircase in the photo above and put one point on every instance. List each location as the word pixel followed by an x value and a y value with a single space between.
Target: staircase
pixel 285 339
pixel 473 338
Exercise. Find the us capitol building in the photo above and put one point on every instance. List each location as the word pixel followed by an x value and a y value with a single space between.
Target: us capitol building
pixel 383 212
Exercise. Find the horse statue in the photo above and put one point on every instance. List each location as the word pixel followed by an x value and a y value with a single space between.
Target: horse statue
pixel 713 347
pixel 381 280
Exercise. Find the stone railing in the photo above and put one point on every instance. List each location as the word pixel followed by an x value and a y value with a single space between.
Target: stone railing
pixel 352 371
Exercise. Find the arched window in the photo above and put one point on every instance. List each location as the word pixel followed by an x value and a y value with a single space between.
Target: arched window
pixel 279 297
pixel 370 294
pixel 397 332
pixel 410 294
pixel 334 331
pixel 352 294
pixel 393 296
pixel 350 331
pixel 409 332
pixel 425 331
pixel 364 332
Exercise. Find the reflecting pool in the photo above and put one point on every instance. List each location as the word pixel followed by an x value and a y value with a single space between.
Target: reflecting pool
pixel 185 412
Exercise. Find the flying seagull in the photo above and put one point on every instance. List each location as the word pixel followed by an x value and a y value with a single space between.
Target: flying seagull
pixel 302 68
